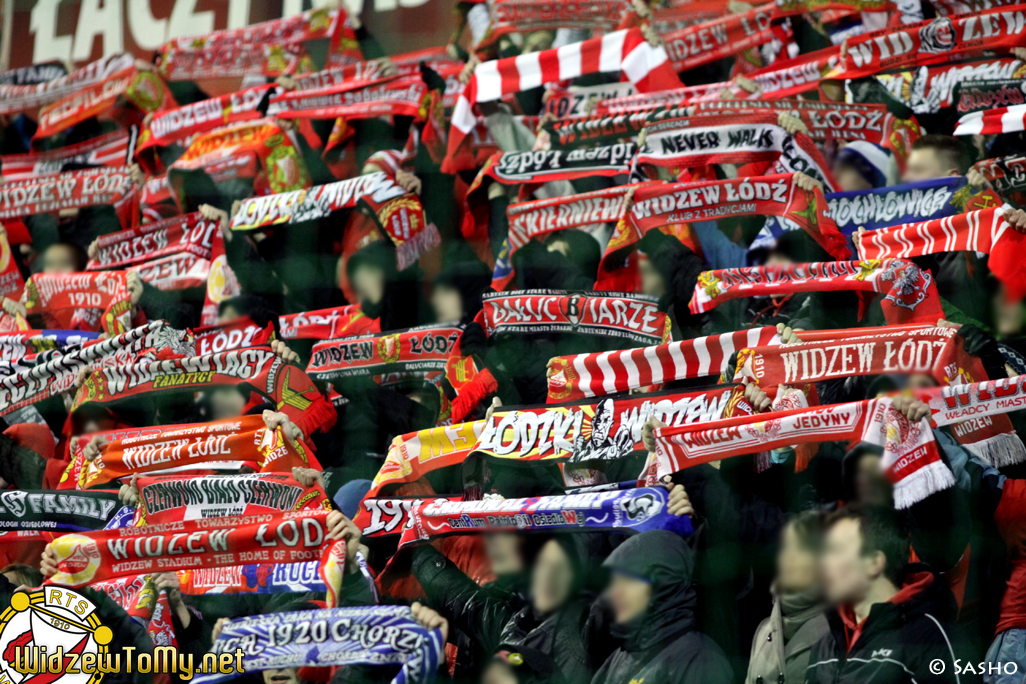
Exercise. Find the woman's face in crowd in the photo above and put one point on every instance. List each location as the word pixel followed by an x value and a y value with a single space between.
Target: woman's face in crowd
pixel 797 566
pixel 286 676
pixel 629 597
pixel 226 402
pixel 503 551
pixel 369 283
pixel 552 578
pixel 498 673
pixel 651 281
pixel 447 303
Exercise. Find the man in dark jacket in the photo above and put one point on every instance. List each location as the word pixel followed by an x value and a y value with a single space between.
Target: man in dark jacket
pixel 892 622
pixel 653 603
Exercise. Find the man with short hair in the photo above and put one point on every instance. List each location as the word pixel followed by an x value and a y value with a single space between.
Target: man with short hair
pixel 892 621
pixel 937 156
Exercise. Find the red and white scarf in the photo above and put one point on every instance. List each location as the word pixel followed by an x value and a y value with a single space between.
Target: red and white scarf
pixel 693 46
pixel 112 149
pixel 523 16
pixel 596 374
pixel 928 89
pixel 992 121
pixel 189 234
pixel 20 98
pixel 626 316
pixel 647 67
pixel 390 96
pixel 422 350
pixel 327 324
pixel 222 284
pixel 237 334
pixel 910 295
pixel 978 231
pixel 789 77
pixel 71 190
pixel 673 97
pixel 80 301
pixel 180 271
pixel 911 459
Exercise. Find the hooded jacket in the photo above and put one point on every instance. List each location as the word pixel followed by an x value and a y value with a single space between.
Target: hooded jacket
pixel 899 641
pixel 784 640
pixel 662 645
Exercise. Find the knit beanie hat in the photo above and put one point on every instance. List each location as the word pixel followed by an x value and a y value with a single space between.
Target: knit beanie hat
pixel 874 163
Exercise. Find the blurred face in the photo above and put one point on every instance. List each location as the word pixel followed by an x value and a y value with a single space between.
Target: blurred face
pixel 918 381
pixel 560 246
pixel 1007 315
pixel 848 179
pixel 871 487
pixel 552 578
pixel 229 314
pixel 503 551
pixel 447 303
pixel 629 597
pixel 847 574
pixel 797 566
pixel 777 259
pixel 926 164
pixel 226 402
pixel 369 283
pixel 286 676
pixel 651 281
pixel 498 673
pixel 59 259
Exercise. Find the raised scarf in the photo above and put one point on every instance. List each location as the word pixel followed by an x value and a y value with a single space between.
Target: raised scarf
pixel 222 282
pixel 20 98
pixel 268 60
pixel 911 459
pixel 599 430
pixel 188 234
pixel 694 46
pixel 620 315
pixel 647 67
pixel 785 78
pixel 143 90
pixel 289 537
pixel 673 97
pixel 978 231
pixel 33 74
pixel 367 635
pixel 523 16
pixel 624 511
pixel 664 204
pixel 112 149
pixel 42 515
pixel 1006 174
pixel 138 596
pixel 975 96
pixel 314 203
pixel 993 121
pixel 172 498
pixel 597 374
pixel 937 352
pixel 403 220
pixel 58 374
pixel 172 125
pixel 975 402
pixel 262 144
pixel 910 295
pixel 928 89
pixel 11 283
pixel 288 387
pixel 70 190
pixel 327 324
pixel 236 334
pixel 390 96
pixel 91 301
pixel 747 138
pixel 421 350
pixel 589 129
pixel 933 40
pixel 26 346
pixel 175 272
pixel 255 578
pixel 232 439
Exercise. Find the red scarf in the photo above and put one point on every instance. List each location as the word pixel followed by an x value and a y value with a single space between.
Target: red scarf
pixel 138 597
pixel 522 16
pixel 978 231
pixel 20 98
pixel 419 351
pixel 173 498
pixel 291 537
pixel 910 295
pixel 597 374
pixel 402 219
pixel 788 77
pixel 674 97
pixel 11 282
pixel 694 46
pixel 80 301
pixel 71 190
pixel 221 282
pixel 232 439
pixel 175 272
pixel 390 96
pixel 189 234
pixel 112 149
pixel 928 89
pixel 327 324
pixel 237 334
pixel 911 459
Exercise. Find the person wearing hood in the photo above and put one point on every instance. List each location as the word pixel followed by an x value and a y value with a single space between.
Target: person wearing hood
pixel 781 647
pixel 891 621
pixel 653 603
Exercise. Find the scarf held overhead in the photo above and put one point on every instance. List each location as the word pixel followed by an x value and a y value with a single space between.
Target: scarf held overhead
pixel 424 349
pixel 189 234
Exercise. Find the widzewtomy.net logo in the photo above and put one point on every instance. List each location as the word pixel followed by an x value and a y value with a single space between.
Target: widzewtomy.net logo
pixel 53 636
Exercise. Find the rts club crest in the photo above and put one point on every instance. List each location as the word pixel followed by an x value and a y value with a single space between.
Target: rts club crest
pixel 56 624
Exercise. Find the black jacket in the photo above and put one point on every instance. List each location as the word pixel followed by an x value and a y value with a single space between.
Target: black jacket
pixel 904 641
pixel 662 645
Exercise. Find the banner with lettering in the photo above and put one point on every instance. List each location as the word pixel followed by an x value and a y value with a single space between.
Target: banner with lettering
pixel 621 315
pixel 367 635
